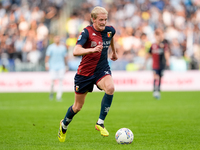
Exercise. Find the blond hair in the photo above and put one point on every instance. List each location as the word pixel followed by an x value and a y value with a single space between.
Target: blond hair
pixel 98 10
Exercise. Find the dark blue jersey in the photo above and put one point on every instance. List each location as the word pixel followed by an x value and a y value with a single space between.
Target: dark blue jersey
pixel 90 38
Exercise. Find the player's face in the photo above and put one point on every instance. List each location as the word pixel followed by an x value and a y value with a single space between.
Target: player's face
pixel 57 39
pixel 100 22
pixel 159 37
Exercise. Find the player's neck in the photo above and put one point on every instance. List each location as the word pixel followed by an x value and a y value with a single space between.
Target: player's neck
pixel 158 42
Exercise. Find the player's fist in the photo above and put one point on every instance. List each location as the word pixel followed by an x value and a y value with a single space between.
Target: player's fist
pixel 114 56
pixel 98 48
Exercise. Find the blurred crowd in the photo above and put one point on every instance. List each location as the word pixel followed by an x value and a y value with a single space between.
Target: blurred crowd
pixel 135 21
pixel 25 30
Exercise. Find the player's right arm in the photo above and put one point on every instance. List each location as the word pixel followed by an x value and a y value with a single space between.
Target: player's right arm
pixel 79 50
pixel 47 62
pixel 166 52
pixel 148 55
pixel 47 57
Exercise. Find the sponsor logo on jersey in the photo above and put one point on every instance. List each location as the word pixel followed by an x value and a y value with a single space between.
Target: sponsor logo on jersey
pixel 94 34
pixel 157 51
pixel 109 34
pixel 105 44
pixel 93 44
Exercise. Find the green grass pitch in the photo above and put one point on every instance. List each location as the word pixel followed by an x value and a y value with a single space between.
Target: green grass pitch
pixel 29 121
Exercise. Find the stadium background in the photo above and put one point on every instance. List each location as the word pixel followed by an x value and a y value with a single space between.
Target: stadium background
pixel 29 120
pixel 27 27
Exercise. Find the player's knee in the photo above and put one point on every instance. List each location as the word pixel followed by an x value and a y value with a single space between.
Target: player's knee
pixel 156 77
pixel 76 109
pixel 110 89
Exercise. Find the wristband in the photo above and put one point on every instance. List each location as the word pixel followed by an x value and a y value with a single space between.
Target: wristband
pixel 46 64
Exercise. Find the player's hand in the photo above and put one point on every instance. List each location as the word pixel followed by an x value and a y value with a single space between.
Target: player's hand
pixel 47 68
pixel 167 63
pixel 98 48
pixel 114 56
pixel 66 68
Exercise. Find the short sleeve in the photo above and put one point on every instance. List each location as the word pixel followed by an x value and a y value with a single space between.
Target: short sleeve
pixel 65 51
pixel 166 45
pixel 113 31
pixel 82 37
pixel 150 50
pixel 48 52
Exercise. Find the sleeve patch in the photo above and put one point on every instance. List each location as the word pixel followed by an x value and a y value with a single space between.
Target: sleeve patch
pixel 79 38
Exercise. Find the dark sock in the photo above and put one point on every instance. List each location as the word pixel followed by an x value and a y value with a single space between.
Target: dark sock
pixel 156 85
pixel 159 84
pixel 105 105
pixel 69 115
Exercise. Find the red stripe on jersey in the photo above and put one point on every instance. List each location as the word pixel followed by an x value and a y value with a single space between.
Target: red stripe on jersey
pixel 90 61
pixel 155 56
pixel 156 60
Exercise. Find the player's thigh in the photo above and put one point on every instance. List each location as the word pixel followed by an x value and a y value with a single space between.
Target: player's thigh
pixel 83 84
pixel 156 74
pixel 106 84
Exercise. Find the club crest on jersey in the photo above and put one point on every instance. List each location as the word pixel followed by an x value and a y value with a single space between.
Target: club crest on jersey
pixel 93 44
pixel 109 34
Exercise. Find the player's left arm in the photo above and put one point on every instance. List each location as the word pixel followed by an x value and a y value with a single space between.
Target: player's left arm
pixel 66 63
pixel 47 62
pixel 114 53
pixel 66 58
pixel 147 56
pixel 167 54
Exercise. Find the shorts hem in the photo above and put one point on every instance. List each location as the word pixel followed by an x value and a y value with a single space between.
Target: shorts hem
pixel 101 78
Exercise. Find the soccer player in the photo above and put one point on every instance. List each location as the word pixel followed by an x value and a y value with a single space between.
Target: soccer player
pixel 92 45
pixel 55 62
pixel 159 51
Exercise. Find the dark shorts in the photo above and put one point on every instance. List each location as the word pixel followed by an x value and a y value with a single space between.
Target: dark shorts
pixel 158 72
pixel 84 84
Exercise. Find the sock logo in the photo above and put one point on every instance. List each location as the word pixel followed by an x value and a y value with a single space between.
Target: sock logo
pixel 107 109
pixel 68 120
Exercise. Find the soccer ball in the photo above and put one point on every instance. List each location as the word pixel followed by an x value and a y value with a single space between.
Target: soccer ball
pixel 124 136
